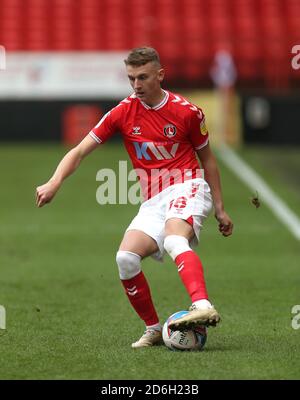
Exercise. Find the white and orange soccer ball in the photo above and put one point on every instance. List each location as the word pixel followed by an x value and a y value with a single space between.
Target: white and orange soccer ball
pixel 187 340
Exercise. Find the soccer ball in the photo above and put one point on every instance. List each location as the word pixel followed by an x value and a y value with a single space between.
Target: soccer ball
pixel 187 340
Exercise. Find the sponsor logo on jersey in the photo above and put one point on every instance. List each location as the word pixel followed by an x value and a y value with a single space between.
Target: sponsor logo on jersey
pixel 150 151
pixel 170 130
pixel 136 130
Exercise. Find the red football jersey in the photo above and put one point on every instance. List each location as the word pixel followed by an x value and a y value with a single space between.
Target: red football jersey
pixel 161 141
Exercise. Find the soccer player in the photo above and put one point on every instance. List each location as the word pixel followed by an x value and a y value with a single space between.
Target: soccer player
pixel 164 135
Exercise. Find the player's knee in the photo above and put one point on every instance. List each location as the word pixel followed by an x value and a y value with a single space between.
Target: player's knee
pixel 175 245
pixel 129 264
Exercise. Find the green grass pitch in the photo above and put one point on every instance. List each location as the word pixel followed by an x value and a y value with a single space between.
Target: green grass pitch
pixel 67 314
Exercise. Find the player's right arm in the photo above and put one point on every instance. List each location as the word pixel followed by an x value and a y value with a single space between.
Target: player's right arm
pixel 106 127
pixel 70 162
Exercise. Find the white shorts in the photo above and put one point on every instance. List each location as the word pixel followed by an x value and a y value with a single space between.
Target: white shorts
pixel 190 200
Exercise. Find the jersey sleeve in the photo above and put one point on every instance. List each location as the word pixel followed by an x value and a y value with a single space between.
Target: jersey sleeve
pixel 197 129
pixel 107 126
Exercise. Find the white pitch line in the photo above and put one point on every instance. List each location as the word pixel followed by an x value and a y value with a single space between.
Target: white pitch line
pixel 256 183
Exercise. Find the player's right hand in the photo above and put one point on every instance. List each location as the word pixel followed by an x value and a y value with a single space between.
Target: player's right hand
pixel 45 193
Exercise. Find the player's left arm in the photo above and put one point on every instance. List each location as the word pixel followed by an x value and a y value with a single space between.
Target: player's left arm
pixel 212 176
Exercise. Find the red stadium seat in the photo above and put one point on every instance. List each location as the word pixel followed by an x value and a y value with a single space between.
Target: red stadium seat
pixel 186 33
pixel 194 71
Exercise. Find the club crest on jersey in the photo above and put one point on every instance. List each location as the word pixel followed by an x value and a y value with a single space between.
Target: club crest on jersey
pixel 170 130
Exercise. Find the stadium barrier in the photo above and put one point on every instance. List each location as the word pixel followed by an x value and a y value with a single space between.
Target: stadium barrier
pixel 261 119
pixel 271 119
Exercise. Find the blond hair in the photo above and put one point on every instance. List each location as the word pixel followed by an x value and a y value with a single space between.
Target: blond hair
pixel 141 56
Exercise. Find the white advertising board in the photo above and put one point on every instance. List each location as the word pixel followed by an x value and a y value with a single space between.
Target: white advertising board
pixel 82 75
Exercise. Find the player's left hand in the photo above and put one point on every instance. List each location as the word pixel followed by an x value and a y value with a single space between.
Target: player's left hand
pixel 225 223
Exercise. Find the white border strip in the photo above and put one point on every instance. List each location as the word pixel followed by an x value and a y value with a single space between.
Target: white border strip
pixel 202 145
pixel 98 140
pixel 279 208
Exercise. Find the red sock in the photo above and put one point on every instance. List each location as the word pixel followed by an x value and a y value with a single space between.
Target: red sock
pixel 191 273
pixel 138 293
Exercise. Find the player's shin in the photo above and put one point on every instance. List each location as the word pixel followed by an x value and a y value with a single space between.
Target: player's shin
pixel 189 266
pixel 191 273
pixel 136 287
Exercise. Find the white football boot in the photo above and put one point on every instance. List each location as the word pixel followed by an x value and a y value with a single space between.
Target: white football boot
pixel 149 338
pixel 195 317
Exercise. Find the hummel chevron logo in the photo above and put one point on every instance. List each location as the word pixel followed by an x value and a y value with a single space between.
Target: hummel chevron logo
pixel 181 266
pixel 184 102
pixel 136 130
pixel 177 99
pixel 132 291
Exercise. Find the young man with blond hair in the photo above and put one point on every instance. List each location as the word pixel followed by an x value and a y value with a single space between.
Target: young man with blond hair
pixel 165 136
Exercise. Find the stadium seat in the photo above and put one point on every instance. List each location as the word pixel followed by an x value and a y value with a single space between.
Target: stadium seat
pixel 184 32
